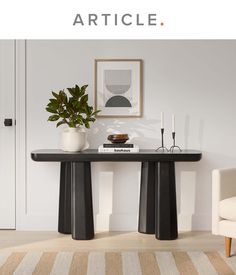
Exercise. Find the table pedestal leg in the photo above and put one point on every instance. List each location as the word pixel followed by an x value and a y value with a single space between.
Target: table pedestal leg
pixel 64 217
pixel 147 199
pixel 81 201
pixel 166 215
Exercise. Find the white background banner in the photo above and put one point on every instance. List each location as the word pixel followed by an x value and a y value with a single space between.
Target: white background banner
pixel 173 19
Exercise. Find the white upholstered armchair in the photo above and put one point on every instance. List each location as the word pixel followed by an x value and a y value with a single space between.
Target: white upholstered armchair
pixel 224 205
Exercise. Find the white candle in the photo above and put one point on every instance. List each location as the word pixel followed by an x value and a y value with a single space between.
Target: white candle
pixel 162 120
pixel 173 123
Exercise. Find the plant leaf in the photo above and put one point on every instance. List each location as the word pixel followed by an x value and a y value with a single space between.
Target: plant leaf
pixel 53 118
pixel 86 124
pixel 51 110
pixel 53 105
pixel 64 114
pixel 96 112
pixel 53 100
pixel 71 107
pixel 77 91
pixel 84 99
pixel 55 95
pixel 71 91
pixel 83 90
pixel 61 122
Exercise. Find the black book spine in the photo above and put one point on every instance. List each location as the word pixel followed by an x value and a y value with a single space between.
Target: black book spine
pixel 118 145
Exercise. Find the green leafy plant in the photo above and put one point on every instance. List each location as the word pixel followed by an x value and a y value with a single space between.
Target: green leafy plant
pixel 70 106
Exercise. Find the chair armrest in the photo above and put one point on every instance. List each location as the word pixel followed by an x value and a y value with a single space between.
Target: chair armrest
pixel 223 187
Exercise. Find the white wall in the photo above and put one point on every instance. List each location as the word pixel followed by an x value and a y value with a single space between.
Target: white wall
pixel 195 80
pixel 7 135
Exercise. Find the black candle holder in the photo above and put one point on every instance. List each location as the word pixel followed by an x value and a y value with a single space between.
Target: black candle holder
pixel 172 148
pixel 162 147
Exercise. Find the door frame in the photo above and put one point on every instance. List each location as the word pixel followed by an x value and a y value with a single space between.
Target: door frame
pixel 21 153
pixel 12 115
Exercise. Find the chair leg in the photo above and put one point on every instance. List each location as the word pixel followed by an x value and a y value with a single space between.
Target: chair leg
pixel 228 242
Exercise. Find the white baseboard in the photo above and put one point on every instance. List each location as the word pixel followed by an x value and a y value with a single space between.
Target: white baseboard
pixel 188 222
pixel 38 223
pixel 115 222
pixel 124 222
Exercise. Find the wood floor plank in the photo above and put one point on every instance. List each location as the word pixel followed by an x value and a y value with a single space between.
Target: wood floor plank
pixel 107 241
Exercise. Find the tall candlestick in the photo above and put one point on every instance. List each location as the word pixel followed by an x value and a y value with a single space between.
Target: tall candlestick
pixel 173 124
pixel 162 120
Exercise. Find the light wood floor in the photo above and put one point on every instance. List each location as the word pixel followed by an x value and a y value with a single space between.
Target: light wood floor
pixel 53 241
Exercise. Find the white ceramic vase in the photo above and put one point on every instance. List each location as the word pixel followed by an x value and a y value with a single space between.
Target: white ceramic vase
pixel 73 140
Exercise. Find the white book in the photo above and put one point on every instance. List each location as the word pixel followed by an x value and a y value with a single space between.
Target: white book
pixel 135 149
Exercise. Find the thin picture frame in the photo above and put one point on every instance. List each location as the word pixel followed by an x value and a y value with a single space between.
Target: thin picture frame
pixel 128 71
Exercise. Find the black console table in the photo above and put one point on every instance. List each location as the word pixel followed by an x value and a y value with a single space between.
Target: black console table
pixel 157 206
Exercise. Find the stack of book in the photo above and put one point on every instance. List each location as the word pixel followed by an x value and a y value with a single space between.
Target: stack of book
pixel 118 148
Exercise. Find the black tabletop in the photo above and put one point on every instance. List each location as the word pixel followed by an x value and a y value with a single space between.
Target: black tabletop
pixel 93 155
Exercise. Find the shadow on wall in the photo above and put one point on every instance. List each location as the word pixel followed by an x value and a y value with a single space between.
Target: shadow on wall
pixel 141 131
pixel 200 133
pixel 116 195
pixel 194 184
pixel 116 185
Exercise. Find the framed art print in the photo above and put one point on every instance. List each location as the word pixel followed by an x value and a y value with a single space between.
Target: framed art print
pixel 118 87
